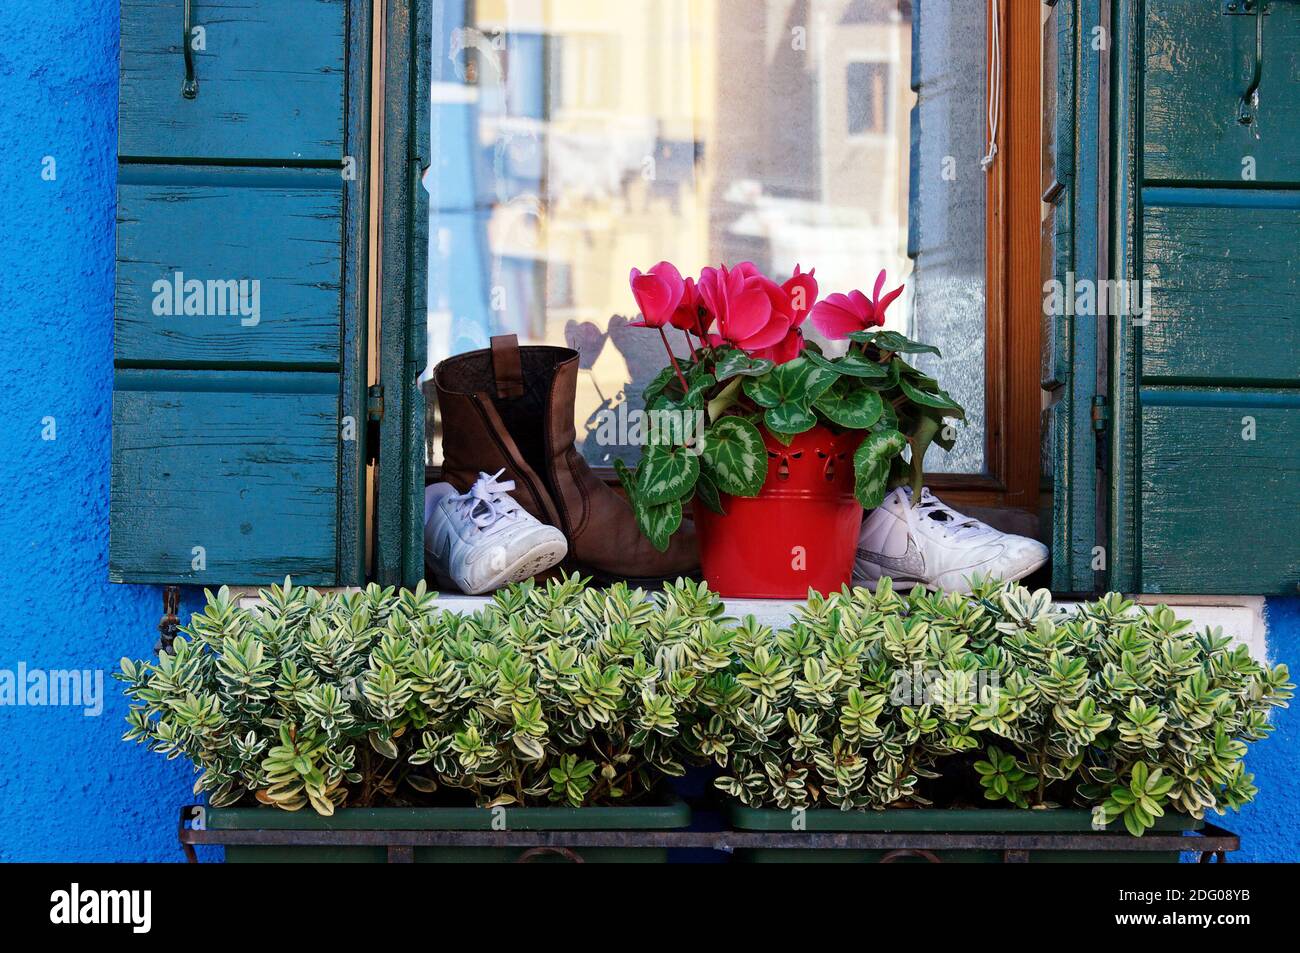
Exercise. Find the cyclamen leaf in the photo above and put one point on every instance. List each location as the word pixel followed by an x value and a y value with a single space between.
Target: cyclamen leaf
pixel 937 399
pixel 871 466
pixel 852 364
pixel 657 386
pixel 785 439
pixel 851 406
pixel 795 382
pixel 893 341
pixel 734 456
pixel 735 362
pixel 667 472
pixel 627 477
pixel 707 492
pixel 658 523
pixel 789 419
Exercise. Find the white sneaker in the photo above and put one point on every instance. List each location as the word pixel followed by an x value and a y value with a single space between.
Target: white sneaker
pixel 481 540
pixel 934 545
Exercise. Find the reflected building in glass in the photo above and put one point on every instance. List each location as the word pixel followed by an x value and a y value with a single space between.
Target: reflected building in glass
pixel 576 139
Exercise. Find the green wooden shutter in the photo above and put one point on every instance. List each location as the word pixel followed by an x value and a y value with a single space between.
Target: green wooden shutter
pixel 239 439
pixel 403 343
pixel 1072 344
pixel 1158 484
pixel 1205 387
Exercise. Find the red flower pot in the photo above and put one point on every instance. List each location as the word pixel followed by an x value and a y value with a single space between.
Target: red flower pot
pixel 800 532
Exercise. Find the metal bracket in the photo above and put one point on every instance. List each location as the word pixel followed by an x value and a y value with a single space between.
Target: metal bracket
pixel 170 625
pixel 1244 8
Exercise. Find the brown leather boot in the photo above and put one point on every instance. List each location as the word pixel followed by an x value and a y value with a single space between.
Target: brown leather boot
pixel 511 407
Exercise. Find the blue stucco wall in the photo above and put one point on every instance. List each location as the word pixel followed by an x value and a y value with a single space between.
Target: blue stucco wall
pixel 69 789
pixel 1268 826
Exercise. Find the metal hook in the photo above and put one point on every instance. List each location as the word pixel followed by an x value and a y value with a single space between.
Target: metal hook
pixel 1258 9
pixel 190 88
pixel 1246 112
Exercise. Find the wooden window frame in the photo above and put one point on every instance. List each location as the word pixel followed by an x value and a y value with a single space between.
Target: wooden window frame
pixel 1013 328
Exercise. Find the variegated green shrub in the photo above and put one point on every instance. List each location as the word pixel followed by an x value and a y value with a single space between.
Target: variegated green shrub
pixel 866 697
pixel 851 706
pixel 1121 708
pixel 565 694
pixel 553 693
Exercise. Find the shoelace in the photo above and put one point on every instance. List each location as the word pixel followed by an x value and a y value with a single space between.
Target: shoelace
pixel 487 501
pixel 957 525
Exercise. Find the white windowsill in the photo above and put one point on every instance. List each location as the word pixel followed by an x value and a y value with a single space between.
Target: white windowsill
pixel 1241 617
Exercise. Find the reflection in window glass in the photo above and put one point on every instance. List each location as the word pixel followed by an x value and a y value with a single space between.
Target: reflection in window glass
pixel 576 139
pixel 868 96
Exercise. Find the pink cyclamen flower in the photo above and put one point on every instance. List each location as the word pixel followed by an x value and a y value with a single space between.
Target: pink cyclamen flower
pixel 689 315
pixel 801 288
pixel 752 311
pixel 840 315
pixel 658 294
pixel 787 349
pixel 793 300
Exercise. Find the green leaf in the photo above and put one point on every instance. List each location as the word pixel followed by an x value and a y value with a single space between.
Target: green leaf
pixel 785 439
pixel 627 477
pixel 789 419
pixel 658 523
pixel 707 492
pixel 667 472
pixel 893 341
pixel 888 418
pixel 850 405
pixel 946 437
pixel 381 744
pixel 871 466
pixel 657 386
pixel 852 364
pixel 734 456
pixel 937 399
pixel 795 382
pixel 734 363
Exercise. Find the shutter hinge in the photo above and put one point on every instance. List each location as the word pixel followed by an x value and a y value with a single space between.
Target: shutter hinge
pixel 1100 412
pixel 374 414
pixel 375 402
pixel 1100 423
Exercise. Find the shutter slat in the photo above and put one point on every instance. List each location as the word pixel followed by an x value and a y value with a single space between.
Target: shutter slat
pixel 1197 64
pixel 1202 487
pixel 271 80
pixel 286 238
pixel 244 466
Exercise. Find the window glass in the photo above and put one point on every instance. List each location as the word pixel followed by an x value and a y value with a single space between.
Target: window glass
pixel 576 139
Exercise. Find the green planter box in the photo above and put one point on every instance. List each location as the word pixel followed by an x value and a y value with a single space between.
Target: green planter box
pixel 674 815
pixel 932 821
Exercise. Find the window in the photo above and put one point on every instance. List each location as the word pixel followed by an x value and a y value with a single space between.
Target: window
pixel 708 145
pixel 867 95
pixel 576 141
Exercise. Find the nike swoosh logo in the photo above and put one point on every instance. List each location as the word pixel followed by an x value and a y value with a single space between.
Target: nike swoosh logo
pixel 911 564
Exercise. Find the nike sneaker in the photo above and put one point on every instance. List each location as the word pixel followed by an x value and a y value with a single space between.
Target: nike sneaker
pixel 933 545
pixel 481 540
